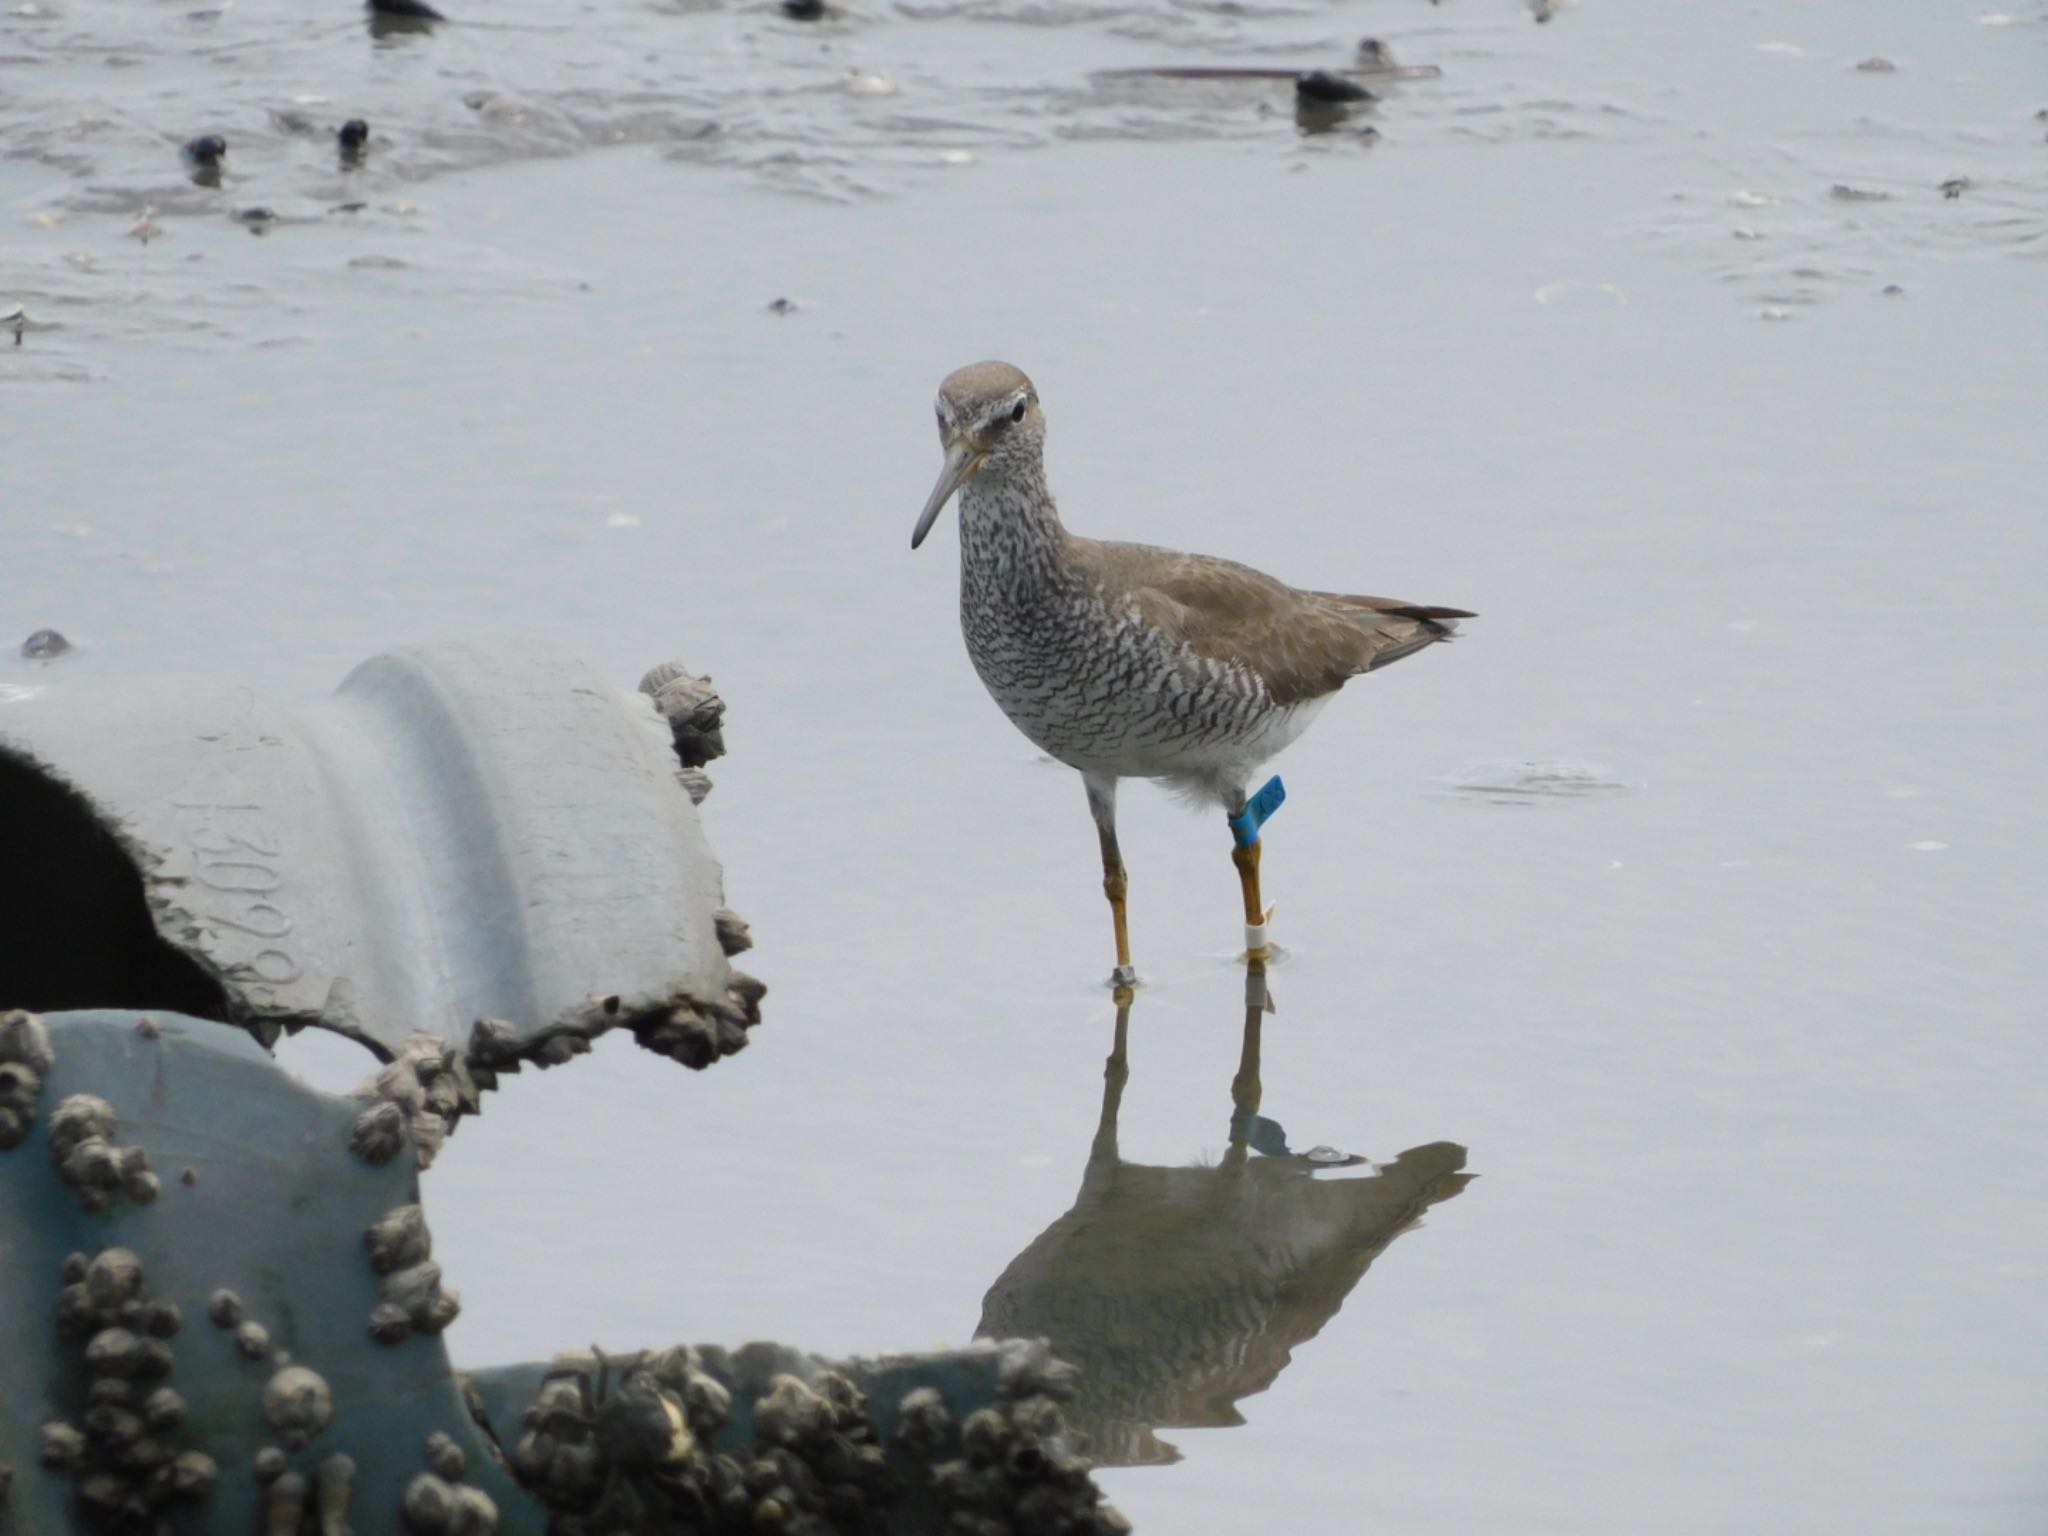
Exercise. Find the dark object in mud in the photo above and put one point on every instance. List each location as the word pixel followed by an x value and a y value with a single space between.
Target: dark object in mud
pixel 782 306
pixel 352 136
pixel 1374 54
pixel 258 220
pixel 44 644
pixel 1326 89
pixel 392 18
pixel 402 15
pixel 1955 187
pixel 806 10
pixel 1244 72
pixel 14 318
pixel 206 150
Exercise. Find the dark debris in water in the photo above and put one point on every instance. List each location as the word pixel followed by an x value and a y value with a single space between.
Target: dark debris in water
pixel 204 155
pixel 1373 54
pixel 44 644
pixel 401 18
pixel 1255 72
pixel 1326 89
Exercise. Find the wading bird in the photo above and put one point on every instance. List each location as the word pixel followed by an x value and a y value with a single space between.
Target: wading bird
pixel 1130 661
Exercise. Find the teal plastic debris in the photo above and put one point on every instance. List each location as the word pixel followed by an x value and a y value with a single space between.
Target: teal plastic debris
pixel 221 1314
pixel 220 1311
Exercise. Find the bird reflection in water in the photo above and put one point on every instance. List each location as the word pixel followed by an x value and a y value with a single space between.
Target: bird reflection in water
pixel 1178 1291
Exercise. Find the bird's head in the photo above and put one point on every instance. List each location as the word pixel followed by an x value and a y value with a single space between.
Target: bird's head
pixel 988 419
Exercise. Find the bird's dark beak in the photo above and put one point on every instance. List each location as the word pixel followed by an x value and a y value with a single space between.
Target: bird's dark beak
pixel 962 460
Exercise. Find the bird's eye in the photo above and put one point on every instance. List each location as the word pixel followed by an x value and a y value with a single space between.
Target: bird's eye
pixel 1018 413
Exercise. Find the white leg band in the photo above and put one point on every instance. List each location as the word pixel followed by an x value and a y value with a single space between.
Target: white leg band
pixel 1254 937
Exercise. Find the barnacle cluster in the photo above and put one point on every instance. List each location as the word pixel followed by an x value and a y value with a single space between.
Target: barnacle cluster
pixel 418 1097
pixel 410 1298
pixel 1014 1474
pixel 621 1446
pixel 626 1445
pixel 697 1034
pixel 125 1471
pixel 287 1494
pixel 652 1444
pixel 1009 1469
pixel 297 1404
pixel 89 1163
pixel 734 936
pixel 695 715
pixel 251 1339
pixel 438 1502
pixel 25 1060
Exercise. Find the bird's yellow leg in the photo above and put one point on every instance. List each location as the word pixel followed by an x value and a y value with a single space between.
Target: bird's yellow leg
pixel 1251 812
pixel 1246 857
pixel 1115 885
pixel 1102 806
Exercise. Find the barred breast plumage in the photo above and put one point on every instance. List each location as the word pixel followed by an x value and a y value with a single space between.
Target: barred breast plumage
pixel 1087 676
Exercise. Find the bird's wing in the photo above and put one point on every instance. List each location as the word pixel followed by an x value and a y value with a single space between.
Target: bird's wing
pixel 1393 628
pixel 1304 644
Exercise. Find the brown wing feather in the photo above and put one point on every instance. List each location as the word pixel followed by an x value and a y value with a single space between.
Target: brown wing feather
pixel 1304 644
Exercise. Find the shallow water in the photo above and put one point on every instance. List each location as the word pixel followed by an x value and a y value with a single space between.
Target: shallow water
pixel 1742 1047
